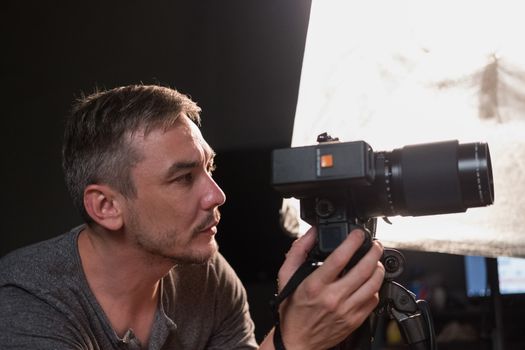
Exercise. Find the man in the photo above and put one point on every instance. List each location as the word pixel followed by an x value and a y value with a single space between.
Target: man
pixel 144 271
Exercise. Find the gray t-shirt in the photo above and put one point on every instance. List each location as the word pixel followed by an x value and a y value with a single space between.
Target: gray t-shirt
pixel 46 303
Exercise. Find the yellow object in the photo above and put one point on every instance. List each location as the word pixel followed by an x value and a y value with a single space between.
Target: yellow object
pixel 393 335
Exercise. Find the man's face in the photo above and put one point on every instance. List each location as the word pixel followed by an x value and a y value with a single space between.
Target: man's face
pixel 176 211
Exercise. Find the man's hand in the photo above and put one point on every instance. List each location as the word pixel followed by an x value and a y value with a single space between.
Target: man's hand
pixel 327 307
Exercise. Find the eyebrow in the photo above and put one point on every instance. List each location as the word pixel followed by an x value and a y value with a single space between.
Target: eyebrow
pixel 178 166
pixel 184 165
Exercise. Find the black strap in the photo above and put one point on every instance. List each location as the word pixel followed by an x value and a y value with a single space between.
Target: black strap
pixel 302 272
pixel 277 338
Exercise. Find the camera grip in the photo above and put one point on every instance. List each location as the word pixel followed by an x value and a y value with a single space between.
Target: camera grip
pixel 330 236
pixel 363 249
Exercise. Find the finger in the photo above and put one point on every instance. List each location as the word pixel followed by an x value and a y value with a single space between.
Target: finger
pixel 355 309
pixel 296 256
pixel 365 299
pixel 334 264
pixel 362 271
pixel 358 316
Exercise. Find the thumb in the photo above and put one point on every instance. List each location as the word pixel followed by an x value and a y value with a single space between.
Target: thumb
pixel 296 256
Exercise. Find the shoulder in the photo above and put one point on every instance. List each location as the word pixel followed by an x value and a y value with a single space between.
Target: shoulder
pixel 39 292
pixel 29 321
pixel 48 271
pixel 42 262
pixel 45 301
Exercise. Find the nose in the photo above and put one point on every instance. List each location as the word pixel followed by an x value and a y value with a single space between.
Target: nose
pixel 214 196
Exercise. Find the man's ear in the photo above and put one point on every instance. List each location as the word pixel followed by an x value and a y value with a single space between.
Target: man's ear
pixel 103 204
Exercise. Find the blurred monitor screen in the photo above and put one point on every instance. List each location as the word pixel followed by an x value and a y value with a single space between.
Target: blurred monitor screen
pixel 476 276
pixel 511 276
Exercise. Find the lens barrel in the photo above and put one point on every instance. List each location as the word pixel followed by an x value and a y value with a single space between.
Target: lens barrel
pixel 427 179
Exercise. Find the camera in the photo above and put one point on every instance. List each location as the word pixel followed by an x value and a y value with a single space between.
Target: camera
pixel 343 185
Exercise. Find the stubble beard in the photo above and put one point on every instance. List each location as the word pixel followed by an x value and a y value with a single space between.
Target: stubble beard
pixel 158 244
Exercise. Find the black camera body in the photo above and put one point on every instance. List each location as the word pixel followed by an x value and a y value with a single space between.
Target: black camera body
pixel 342 185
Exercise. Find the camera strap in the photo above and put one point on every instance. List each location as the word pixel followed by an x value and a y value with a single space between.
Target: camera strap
pixel 302 272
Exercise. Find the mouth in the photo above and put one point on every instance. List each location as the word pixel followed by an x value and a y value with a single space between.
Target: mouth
pixel 211 228
pixel 209 224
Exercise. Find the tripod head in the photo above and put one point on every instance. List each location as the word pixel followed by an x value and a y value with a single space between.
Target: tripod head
pixel 412 316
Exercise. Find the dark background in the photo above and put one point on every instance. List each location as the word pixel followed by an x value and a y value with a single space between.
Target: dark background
pixel 240 60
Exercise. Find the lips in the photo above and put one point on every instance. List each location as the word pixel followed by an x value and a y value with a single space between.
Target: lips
pixel 209 223
pixel 211 226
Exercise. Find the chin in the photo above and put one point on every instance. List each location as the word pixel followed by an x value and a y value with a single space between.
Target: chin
pixel 198 255
pixel 193 259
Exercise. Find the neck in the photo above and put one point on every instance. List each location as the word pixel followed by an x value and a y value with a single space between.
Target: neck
pixel 124 280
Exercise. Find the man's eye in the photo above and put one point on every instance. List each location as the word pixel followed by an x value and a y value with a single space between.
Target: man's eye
pixel 186 178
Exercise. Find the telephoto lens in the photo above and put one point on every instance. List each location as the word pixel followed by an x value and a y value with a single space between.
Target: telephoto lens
pixel 427 179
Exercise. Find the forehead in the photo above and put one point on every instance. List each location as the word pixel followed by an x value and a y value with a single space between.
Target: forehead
pixel 192 131
pixel 182 139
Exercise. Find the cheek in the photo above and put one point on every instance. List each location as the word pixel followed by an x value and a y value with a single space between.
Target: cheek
pixel 171 209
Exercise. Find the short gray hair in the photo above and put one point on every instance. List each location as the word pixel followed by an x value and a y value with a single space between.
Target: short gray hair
pixel 96 145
